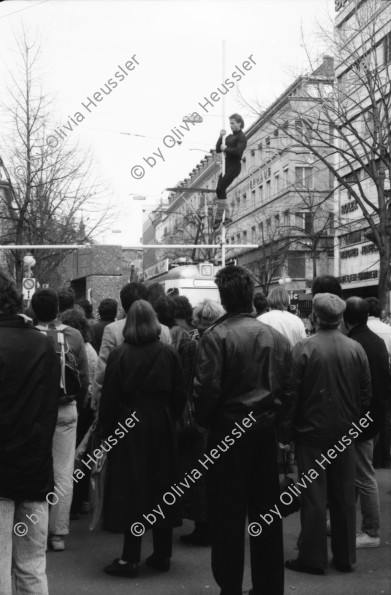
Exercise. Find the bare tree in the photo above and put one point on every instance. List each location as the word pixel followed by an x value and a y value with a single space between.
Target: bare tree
pixel 51 195
pixel 348 127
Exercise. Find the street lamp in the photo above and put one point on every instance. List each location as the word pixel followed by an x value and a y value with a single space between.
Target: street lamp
pixel 286 281
pixel 29 261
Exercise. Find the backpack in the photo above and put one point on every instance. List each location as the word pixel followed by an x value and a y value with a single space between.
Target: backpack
pixel 70 385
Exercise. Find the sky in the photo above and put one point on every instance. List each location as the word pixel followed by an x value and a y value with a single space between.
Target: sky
pixel 174 53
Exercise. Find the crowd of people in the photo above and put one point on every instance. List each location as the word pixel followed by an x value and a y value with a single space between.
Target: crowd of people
pixel 193 409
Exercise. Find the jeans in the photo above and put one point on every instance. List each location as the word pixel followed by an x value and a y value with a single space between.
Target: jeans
pixel 366 488
pixel 64 444
pixel 24 555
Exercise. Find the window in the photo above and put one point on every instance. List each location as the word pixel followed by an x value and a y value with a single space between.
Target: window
pixel 330 227
pixel 267 189
pixel 286 177
pixel 245 237
pixel 368 125
pixel 308 223
pixel 260 230
pixel 286 218
pixel 277 180
pixel 296 265
pixel 304 176
pixel 232 239
pixel 387 48
pixel 269 227
pixel 253 234
pixel 238 237
pixel 277 221
pixel 261 194
pixel 303 130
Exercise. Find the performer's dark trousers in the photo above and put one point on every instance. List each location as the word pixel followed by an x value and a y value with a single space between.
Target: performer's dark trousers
pixel 231 172
pixel 162 545
pixel 244 480
pixel 337 483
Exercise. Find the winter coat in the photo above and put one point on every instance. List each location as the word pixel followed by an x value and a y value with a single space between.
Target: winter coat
pixel 145 380
pixel 330 388
pixel 29 381
pixel 377 355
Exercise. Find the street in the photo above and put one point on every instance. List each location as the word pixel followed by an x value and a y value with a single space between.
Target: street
pixel 79 569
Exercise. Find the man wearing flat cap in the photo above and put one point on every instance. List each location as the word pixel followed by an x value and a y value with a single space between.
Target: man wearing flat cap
pixel 331 391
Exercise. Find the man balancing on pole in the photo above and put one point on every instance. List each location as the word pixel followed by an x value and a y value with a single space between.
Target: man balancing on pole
pixel 233 148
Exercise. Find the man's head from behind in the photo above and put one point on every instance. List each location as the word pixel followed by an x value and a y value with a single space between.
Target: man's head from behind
pixel 107 309
pixel 328 309
pixel 236 288
pixel 260 303
pixel 66 299
pixel 326 284
pixel 131 292
pixel 356 312
pixel 45 305
pixel 10 300
pixel 374 306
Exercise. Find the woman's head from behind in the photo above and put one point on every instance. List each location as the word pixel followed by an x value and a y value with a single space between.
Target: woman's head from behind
pixel 142 325
pixel 206 313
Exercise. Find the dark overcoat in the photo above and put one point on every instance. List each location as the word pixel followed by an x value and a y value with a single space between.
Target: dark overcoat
pixel 146 381
pixel 29 384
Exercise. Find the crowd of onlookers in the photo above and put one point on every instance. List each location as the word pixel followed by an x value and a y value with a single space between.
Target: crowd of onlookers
pixel 222 394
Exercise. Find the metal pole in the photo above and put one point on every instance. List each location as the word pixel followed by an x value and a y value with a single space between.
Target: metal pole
pixel 134 247
pixel 223 115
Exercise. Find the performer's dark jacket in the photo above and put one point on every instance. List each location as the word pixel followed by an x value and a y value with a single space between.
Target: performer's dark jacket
pixel 236 144
pixel 331 389
pixel 242 366
pixel 377 355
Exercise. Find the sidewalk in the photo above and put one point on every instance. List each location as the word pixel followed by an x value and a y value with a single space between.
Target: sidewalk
pixel 78 570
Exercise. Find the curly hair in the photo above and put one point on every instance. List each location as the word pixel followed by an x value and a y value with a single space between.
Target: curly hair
pixel 10 300
pixel 76 318
pixel 183 308
pixel 236 288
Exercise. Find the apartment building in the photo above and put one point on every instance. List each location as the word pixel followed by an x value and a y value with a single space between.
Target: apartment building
pixel 363 36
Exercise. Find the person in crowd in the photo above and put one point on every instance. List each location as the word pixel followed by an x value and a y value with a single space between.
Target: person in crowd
pixel 155 291
pixel 279 318
pixel 113 336
pixel 260 304
pixel 183 313
pixel 30 375
pixel 193 445
pixel 87 309
pixel 326 284
pixel 241 373
pixel 107 313
pixel 330 390
pixel 143 383
pixel 66 299
pixel 381 455
pixel 75 318
pixel 45 305
pixel 165 310
pixel 356 318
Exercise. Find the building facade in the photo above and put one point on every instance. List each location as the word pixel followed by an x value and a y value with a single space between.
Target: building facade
pixel 363 34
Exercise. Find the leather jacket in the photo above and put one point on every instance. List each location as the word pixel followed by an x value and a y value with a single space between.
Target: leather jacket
pixel 242 367
pixel 330 388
